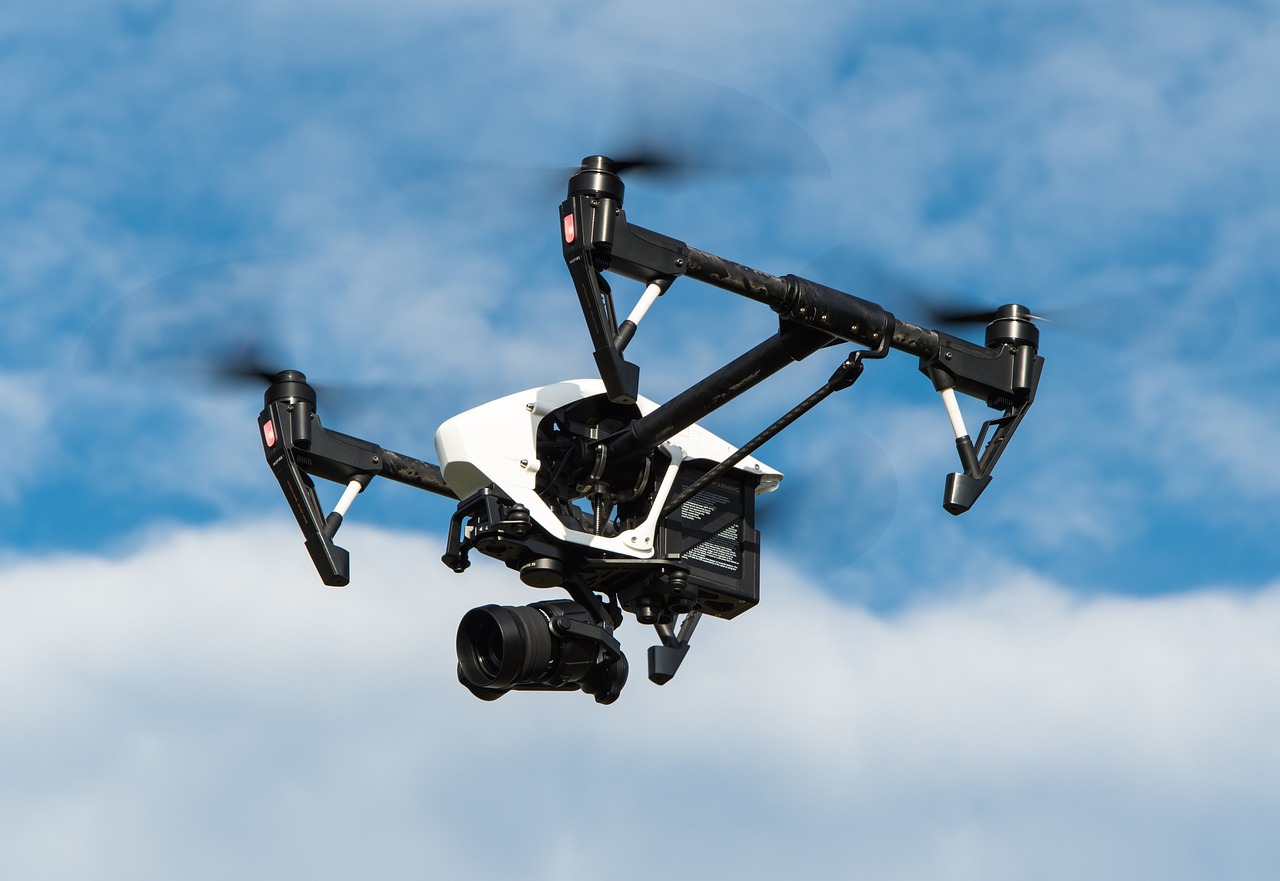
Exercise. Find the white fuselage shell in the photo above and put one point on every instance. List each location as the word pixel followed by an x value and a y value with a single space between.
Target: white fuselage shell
pixel 496 443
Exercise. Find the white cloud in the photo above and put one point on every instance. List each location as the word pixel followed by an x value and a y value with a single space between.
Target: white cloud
pixel 203 708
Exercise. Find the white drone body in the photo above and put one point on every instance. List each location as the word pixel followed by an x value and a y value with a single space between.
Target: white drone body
pixel 496 444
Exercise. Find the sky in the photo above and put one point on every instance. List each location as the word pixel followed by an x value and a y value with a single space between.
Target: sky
pixel 1074 679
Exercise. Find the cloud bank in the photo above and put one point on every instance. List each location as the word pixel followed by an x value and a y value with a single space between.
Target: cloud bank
pixel 202 708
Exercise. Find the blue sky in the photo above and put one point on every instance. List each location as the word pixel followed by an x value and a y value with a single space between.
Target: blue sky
pixel 1075 678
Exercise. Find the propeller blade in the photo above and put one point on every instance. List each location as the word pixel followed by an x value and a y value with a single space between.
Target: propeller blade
pixel 656 125
pixel 949 314
pixel 1166 316
pixel 652 163
pixel 215 324
pixel 250 364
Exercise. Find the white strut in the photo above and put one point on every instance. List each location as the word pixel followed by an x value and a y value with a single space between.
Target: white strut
pixel 953 412
pixel 652 292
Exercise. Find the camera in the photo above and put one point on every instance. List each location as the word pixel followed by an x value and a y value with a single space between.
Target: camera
pixel 553 645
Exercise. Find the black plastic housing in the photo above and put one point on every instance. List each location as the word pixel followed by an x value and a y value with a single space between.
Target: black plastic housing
pixel 714 536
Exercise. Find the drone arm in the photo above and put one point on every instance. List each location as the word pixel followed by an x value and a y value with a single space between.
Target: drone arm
pixel 298 447
pixel 790 344
pixel 621 377
pixel 595 236
pixel 814 305
pixel 290 462
pixel 598 238
pixel 414 472
pixel 1005 374
pixel 647 256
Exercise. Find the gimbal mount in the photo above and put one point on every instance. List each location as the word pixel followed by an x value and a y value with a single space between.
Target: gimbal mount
pixel 589 487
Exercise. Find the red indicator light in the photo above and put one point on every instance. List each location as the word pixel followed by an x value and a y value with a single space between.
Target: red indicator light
pixel 569 230
pixel 269 433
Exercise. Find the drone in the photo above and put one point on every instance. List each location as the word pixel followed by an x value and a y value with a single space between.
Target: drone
pixel 627 505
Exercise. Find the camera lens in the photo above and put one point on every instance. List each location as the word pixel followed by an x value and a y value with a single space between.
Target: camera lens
pixel 502 646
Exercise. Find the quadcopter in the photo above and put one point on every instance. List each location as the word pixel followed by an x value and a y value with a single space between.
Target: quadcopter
pixel 627 505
